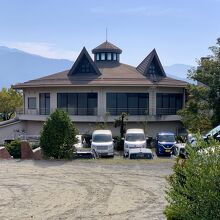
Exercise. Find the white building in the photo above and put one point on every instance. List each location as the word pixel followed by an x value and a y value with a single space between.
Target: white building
pixel 91 88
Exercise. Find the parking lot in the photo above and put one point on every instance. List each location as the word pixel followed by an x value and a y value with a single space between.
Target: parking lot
pixel 83 189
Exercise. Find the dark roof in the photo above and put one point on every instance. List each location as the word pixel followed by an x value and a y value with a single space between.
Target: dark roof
pixel 84 55
pixel 107 47
pixel 145 64
pixel 112 75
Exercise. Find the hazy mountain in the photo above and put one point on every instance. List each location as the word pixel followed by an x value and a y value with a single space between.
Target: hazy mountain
pixel 18 66
pixel 178 71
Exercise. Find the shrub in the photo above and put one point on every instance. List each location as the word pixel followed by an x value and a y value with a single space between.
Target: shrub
pixel 58 136
pixel 118 143
pixel 194 186
pixel 14 148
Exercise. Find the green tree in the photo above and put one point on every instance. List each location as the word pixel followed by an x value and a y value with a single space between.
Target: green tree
pixel 196 114
pixel 10 99
pixel 58 136
pixel 208 73
pixel 121 122
pixel 194 187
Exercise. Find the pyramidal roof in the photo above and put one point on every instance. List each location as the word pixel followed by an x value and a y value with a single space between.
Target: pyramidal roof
pixel 143 67
pixel 107 47
pixel 84 56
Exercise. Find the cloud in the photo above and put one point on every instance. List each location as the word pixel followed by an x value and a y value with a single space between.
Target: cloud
pixel 43 49
pixel 149 11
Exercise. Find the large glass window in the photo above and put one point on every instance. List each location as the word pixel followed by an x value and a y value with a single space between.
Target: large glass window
pixel 32 103
pixel 114 56
pixel 78 103
pixel 169 103
pixel 102 56
pixel 44 103
pixel 131 103
pixel 109 56
pixel 97 56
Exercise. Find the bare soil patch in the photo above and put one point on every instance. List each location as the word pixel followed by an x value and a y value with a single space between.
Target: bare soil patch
pixel 83 189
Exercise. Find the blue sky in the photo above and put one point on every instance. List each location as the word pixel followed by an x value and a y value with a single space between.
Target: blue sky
pixel 181 31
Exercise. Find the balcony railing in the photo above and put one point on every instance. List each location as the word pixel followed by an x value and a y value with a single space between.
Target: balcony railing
pixel 167 111
pixel 70 111
pixel 94 111
pixel 129 111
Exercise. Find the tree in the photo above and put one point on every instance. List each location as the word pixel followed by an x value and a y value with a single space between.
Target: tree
pixel 121 122
pixel 10 99
pixel 208 73
pixel 194 187
pixel 58 136
pixel 196 115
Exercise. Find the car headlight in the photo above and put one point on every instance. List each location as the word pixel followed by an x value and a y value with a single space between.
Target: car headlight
pixel 110 146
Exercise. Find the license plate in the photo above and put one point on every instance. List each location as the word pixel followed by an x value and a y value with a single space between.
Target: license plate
pixel 167 151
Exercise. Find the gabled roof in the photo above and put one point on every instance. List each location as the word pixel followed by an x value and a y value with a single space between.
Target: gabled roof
pixel 106 47
pixel 143 67
pixel 83 55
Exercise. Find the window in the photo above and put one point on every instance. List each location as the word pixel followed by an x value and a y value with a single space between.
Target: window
pixel 32 103
pixel 102 56
pixel 44 103
pixel 117 57
pixel 169 103
pixel 84 66
pixel 109 56
pixel 131 103
pixel 114 56
pixel 97 56
pixel 78 103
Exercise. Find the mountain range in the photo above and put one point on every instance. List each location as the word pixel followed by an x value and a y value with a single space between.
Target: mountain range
pixel 19 66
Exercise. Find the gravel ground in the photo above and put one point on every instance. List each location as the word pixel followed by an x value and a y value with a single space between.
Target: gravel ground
pixel 83 189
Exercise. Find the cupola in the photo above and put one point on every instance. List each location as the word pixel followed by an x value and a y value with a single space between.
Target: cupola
pixel 106 52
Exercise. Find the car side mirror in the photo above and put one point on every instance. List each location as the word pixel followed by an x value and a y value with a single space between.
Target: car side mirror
pixel 123 139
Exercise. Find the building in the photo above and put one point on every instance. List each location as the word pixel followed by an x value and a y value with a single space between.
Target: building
pixel 93 87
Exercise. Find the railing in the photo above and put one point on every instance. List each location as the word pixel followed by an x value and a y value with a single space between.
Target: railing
pixel 129 111
pixel 70 111
pixel 167 111
pixel 94 111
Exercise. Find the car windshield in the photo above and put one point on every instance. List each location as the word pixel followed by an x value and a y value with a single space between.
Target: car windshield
pixel 166 138
pixel 135 137
pixel 214 131
pixel 102 138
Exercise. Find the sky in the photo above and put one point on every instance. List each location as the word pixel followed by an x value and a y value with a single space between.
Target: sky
pixel 181 31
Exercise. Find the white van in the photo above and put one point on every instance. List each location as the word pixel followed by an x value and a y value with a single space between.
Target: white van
pixel 134 138
pixel 102 143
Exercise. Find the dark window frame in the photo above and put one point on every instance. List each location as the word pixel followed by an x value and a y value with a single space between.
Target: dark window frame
pixel 35 102
pixel 172 104
pixel 135 111
pixel 45 109
pixel 80 111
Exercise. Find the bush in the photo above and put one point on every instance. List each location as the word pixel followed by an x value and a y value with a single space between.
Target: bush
pixel 58 136
pixel 14 148
pixel 118 143
pixel 194 186
pixel 180 139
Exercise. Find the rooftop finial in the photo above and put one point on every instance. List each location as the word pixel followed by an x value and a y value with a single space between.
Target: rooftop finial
pixel 106 33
